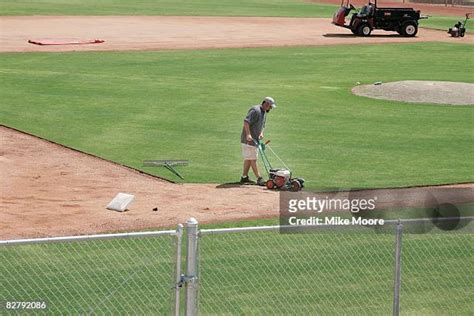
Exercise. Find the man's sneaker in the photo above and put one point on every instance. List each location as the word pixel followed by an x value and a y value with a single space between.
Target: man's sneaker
pixel 261 182
pixel 244 180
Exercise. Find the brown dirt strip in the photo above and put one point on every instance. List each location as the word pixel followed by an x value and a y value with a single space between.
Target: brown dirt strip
pixel 51 190
pixel 159 32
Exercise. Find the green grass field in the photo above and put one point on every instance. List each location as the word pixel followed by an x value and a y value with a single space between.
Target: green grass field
pixel 132 106
pixel 167 7
pixel 330 272
pixel 442 23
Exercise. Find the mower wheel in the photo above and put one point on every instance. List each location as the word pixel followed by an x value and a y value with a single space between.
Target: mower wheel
pixel 270 184
pixel 295 185
pixel 409 29
pixel 364 30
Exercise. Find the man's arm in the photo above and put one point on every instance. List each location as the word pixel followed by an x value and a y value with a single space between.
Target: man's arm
pixel 248 136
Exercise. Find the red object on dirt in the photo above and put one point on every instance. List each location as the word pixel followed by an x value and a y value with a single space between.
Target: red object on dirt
pixel 52 42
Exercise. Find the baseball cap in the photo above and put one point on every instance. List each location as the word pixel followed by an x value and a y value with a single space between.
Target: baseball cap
pixel 271 101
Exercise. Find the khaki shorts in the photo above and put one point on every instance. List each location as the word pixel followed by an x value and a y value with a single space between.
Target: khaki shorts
pixel 249 152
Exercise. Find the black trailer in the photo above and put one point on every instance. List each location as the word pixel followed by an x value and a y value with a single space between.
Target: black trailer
pixel 370 17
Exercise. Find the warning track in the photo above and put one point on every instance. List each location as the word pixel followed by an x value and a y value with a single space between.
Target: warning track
pixel 168 32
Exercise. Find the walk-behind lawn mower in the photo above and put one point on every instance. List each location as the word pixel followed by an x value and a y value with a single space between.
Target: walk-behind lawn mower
pixel 278 178
pixel 459 29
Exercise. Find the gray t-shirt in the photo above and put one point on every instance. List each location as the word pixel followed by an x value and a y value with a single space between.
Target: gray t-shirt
pixel 256 118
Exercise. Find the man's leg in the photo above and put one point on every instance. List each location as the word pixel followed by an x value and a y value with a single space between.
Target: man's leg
pixel 245 173
pixel 253 164
pixel 260 180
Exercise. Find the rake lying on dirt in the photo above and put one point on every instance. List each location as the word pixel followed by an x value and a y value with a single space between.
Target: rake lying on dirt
pixel 168 164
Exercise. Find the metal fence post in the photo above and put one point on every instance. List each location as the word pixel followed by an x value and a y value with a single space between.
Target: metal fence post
pixel 179 239
pixel 191 267
pixel 398 270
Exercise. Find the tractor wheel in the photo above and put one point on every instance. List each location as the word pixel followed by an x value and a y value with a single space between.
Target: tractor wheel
pixel 269 184
pixel 295 185
pixel 409 29
pixel 364 30
pixel 354 31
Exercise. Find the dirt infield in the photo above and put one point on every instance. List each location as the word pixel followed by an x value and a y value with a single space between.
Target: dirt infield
pixel 415 91
pixel 50 190
pixel 157 33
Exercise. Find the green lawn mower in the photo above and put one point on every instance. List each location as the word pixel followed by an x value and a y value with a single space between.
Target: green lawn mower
pixel 278 178
pixel 459 29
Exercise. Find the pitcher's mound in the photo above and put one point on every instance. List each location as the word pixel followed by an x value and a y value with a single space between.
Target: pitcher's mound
pixel 436 92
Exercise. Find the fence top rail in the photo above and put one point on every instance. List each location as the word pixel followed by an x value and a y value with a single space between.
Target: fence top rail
pixel 428 220
pixel 278 227
pixel 239 229
pixel 88 237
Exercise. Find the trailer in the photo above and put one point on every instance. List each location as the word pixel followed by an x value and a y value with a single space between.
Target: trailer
pixel 370 17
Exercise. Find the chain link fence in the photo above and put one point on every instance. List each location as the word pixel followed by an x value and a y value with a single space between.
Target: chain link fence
pixel 438 273
pixel 330 270
pixel 338 270
pixel 90 275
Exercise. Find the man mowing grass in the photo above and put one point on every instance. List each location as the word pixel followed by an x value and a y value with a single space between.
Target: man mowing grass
pixel 252 132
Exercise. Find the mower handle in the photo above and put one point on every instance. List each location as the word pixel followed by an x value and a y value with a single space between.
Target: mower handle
pixel 258 142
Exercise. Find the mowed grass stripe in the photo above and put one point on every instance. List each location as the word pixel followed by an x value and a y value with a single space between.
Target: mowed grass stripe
pixel 168 7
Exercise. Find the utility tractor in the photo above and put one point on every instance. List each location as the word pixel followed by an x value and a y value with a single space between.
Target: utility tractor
pixel 370 17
